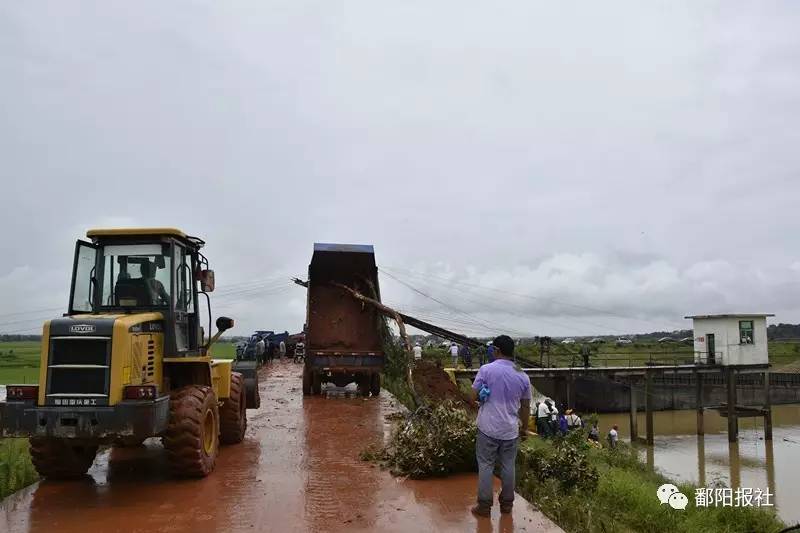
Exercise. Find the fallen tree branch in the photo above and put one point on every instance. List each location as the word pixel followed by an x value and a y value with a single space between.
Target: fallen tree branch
pixel 391 313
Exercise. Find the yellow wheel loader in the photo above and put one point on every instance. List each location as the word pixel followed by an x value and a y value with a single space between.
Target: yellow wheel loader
pixel 130 360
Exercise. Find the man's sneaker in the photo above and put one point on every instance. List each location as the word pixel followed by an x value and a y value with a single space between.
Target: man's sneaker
pixel 481 510
pixel 506 508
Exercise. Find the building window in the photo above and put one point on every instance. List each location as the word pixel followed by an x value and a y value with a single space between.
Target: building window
pixel 745 332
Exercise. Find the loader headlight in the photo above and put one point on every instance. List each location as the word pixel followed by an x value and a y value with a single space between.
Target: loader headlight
pixel 140 392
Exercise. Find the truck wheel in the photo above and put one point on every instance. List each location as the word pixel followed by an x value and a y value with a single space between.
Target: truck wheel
pixel 192 436
pixel 363 385
pixel 306 381
pixel 375 384
pixel 60 459
pixel 232 416
pixel 316 383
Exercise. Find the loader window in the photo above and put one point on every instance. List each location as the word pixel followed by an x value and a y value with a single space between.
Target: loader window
pixel 83 280
pixel 135 275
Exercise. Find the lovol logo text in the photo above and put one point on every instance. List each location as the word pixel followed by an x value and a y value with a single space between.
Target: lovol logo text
pixel 82 328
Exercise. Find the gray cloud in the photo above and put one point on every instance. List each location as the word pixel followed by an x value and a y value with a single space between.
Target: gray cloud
pixel 628 157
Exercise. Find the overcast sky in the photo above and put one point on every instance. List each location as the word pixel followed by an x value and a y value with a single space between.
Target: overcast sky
pixel 537 167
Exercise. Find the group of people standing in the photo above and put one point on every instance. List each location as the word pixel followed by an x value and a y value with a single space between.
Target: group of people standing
pixel 550 422
pixel 461 354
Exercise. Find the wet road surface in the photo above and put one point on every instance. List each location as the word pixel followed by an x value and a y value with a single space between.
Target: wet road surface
pixel 297 470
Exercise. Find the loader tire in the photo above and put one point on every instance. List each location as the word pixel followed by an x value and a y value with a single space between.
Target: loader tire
pixel 375 384
pixel 307 381
pixel 252 396
pixel 232 415
pixel 192 436
pixel 59 458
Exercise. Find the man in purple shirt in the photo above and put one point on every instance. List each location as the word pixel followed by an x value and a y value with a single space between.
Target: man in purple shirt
pixel 505 395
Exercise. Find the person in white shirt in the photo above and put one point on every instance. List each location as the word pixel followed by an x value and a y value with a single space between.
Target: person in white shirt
pixel 454 354
pixel 553 422
pixel 613 437
pixel 543 418
pixel 417 352
pixel 573 420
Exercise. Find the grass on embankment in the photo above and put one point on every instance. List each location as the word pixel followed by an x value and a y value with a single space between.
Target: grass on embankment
pixel 624 496
pixel 19 362
pixel 16 470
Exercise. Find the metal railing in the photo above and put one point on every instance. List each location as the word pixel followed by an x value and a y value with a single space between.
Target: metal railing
pixel 626 359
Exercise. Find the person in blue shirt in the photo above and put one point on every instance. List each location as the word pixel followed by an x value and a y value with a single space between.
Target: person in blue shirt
pixel 490 353
pixel 505 395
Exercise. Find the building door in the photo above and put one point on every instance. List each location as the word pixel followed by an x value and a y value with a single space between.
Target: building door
pixel 712 349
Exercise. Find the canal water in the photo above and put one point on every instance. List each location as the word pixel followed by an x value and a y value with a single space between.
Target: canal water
pixel 681 454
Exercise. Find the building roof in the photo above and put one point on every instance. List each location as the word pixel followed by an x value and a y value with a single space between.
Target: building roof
pixel 733 315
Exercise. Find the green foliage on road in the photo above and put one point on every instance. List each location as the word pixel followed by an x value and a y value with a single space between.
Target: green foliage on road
pixel 16 469
pixel 612 490
pixel 431 442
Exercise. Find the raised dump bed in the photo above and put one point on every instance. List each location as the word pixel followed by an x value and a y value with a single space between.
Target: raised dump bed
pixel 343 343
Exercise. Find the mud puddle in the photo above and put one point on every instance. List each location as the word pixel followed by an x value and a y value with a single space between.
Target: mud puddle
pixel 297 470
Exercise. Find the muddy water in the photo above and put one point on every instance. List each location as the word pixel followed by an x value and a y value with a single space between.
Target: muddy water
pixel 752 462
pixel 297 470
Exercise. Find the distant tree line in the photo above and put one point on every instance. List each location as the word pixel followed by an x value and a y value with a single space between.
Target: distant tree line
pixel 19 338
pixel 783 331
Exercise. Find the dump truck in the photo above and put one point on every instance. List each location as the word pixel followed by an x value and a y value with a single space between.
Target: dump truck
pixel 130 360
pixel 343 343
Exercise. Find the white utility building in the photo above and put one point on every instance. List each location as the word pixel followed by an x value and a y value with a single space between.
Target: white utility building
pixel 730 339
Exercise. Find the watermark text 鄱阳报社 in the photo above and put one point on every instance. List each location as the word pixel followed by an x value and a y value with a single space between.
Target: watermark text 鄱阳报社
pixel 729 497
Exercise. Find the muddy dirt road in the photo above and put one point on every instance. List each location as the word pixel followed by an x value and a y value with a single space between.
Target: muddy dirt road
pixel 297 470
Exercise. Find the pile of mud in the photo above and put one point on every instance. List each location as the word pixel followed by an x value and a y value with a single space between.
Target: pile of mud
pixel 433 383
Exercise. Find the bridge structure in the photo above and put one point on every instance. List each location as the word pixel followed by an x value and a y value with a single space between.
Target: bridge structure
pixel 639 378
pixel 640 381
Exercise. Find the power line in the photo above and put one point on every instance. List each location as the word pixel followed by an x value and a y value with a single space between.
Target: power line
pixel 510 312
pixel 529 296
pixel 475 321
pixel 434 299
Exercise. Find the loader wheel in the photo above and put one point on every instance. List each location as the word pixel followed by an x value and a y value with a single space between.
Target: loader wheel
pixel 316 384
pixel 307 381
pixel 232 416
pixel 192 436
pixel 375 384
pixel 60 459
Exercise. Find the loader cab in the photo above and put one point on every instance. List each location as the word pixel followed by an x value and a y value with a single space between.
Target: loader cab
pixel 129 271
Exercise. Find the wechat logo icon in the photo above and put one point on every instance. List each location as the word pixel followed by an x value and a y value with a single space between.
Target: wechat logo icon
pixel 669 493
